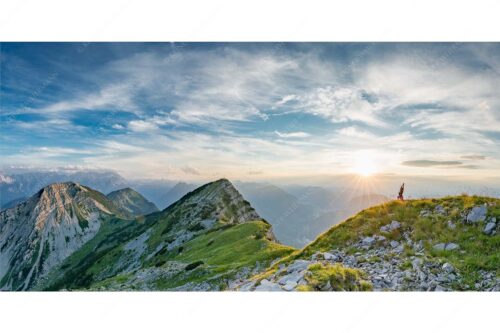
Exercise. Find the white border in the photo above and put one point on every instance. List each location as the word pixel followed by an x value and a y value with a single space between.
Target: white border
pixel 257 20
pixel 248 312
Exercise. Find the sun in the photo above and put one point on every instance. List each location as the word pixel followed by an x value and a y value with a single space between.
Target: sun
pixel 365 166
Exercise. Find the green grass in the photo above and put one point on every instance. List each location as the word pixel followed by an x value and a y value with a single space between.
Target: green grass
pixel 337 276
pixel 225 251
pixel 477 251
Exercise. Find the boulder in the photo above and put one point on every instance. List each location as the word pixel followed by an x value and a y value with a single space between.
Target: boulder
pixel 368 241
pixel 266 285
pixel 448 268
pixel 290 286
pixel 298 265
pixel 489 228
pixel 394 243
pixel 329 256
pixel 292 277
pixel 440 210
pixel 452 246
pixel 446 246
pixel 477 214
pixel 399 249
pixel 390 227
pixel 416 263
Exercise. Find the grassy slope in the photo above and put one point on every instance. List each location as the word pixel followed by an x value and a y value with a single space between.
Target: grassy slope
pixel 218 255
pixel 477 251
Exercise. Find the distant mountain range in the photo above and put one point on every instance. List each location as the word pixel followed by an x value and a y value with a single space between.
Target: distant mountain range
pixel 17 187
pixel 297 213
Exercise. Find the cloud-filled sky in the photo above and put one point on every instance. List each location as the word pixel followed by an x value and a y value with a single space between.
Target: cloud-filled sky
pixel 252 110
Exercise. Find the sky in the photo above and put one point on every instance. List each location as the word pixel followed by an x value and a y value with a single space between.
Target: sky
pixel 196 111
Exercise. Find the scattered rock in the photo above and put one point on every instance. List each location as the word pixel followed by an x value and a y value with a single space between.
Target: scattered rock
pixel 440 210
pixel 368 241
pixel 394 243
pixel 489 228
pixel 448 268
pixel 451 225
pixel 329 256
pixel 399 249
pixel 293 277
pixel 477 214
pixel 290 286
pixel 425 213
pixel 298 265
pixel 390 227
pixel 446 246
pixel 416 263
pixel 266 285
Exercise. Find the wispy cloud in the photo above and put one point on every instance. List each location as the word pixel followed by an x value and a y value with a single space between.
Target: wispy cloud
pixel 430 163
pixel 292 134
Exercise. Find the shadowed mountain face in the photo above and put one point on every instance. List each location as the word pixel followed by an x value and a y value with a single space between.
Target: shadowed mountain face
pixel 132 202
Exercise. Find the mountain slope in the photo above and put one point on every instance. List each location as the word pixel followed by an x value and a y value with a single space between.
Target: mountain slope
pixel 206 240
pixel 132 202
pixel 432 244
pixel 39 233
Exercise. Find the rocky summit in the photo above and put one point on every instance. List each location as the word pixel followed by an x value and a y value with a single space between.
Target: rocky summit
pixel 41 232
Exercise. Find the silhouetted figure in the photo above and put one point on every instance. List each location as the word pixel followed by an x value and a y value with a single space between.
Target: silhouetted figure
pixel 401 190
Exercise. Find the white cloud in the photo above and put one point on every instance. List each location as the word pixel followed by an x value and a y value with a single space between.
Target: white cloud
pixel 142 126
pixel 292 134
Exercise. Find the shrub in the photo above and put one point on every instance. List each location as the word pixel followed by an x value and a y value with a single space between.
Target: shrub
pixel 193 265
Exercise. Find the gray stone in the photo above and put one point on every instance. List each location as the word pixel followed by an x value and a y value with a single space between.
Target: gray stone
pixel 477 214
pixel 416 263
pixel 394 243
pixel 329 256
pixel 290 286
pixel 439 247
pixel 451 225
pixel 298 265
pixel 448 268
pixel 292 277
pixel 390 227
pixel 399 249
pixel 440 210
pixel 489 228
pixel 368 241
pixel 266 285
pixel 452 246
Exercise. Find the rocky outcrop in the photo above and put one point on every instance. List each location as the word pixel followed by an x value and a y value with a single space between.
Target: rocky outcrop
pixel 39 233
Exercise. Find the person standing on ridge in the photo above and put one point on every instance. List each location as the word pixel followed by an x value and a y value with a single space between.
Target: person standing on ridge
pixel 401 190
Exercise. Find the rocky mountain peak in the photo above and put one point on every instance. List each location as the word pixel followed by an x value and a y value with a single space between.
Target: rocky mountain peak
pixel 131 202
pixel 47 228
pixel 221 201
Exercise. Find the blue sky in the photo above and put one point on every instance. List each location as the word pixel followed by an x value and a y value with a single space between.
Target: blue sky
pixel 250 110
